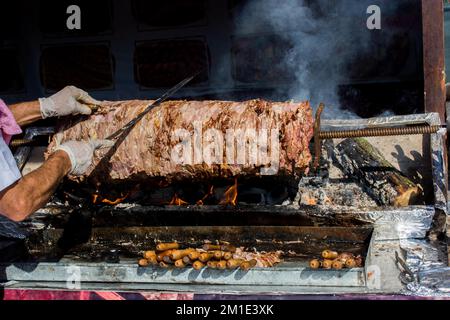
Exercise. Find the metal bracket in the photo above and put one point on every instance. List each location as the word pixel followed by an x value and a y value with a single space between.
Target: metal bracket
pixel 317 139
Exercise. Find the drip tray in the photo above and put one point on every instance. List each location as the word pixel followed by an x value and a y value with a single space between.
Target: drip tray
pixel 50 259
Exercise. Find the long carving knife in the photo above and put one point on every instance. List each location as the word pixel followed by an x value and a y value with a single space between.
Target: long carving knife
pixel 154 104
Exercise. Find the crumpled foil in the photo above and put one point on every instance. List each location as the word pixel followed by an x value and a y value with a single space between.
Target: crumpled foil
pixel 407 223
pixel 428 261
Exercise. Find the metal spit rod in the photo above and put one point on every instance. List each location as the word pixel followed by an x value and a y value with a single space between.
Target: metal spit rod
pixel 366 132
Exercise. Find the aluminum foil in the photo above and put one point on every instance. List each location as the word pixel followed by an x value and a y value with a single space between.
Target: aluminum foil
pixel 391 121
pixel 428 262
pixel 401 223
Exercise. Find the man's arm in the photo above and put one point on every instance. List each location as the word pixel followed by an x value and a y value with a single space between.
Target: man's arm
pixel 26 113
pixel 68 101
pixel 35 189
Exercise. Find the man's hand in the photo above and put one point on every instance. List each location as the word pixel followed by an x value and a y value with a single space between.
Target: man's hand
pixel 81 153
pixel 68 101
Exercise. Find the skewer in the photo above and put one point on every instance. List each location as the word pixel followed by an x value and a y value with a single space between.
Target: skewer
pixel 222 264
pixel 246 265
pixel 197 265
pixel 143 262
pixel 205 256
pixel 167 246
pixel 314 264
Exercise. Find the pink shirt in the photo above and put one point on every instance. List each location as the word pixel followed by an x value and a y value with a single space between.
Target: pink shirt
pixel 8 125
pixel 9 173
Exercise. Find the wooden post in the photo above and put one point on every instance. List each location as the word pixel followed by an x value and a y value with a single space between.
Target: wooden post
pixel 434 67
pixel 434 56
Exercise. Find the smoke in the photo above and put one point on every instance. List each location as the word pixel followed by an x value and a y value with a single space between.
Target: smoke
pixel 325 38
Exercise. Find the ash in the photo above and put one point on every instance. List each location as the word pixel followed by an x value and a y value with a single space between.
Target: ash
pixel 330 187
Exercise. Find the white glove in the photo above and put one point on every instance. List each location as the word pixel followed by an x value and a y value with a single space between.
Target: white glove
pixel 81 153
pixel 68 101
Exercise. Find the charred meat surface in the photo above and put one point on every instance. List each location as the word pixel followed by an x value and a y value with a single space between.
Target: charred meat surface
pixel 197 140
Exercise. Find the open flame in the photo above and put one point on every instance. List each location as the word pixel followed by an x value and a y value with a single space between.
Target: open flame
pixel 230 195
pixel 96 196
pixel 210 193
pixel 117 201
pixel 176 201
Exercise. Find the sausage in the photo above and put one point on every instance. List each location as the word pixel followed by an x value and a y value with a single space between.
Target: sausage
pixel 327 263
pixel 210 247
pixel 314 264
pixel 350 263
pixel 194 255
pixel 197 265
pixel 179 263
pixel 148 254
pixel 228 247
pixel 227 255
pixel 345 255
pixel 187 260
pixel 328 254
pixel 167 259
pixel 162 264
pixel 161 255
pixel 218 254
pixel 246 265
pixel 212 264
pixel 180 254
pixel 205 256
pixel 143 262
pixel 152 260
pixel 234 263
pixel 337 264
pixel 222 264
pixel 167 246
